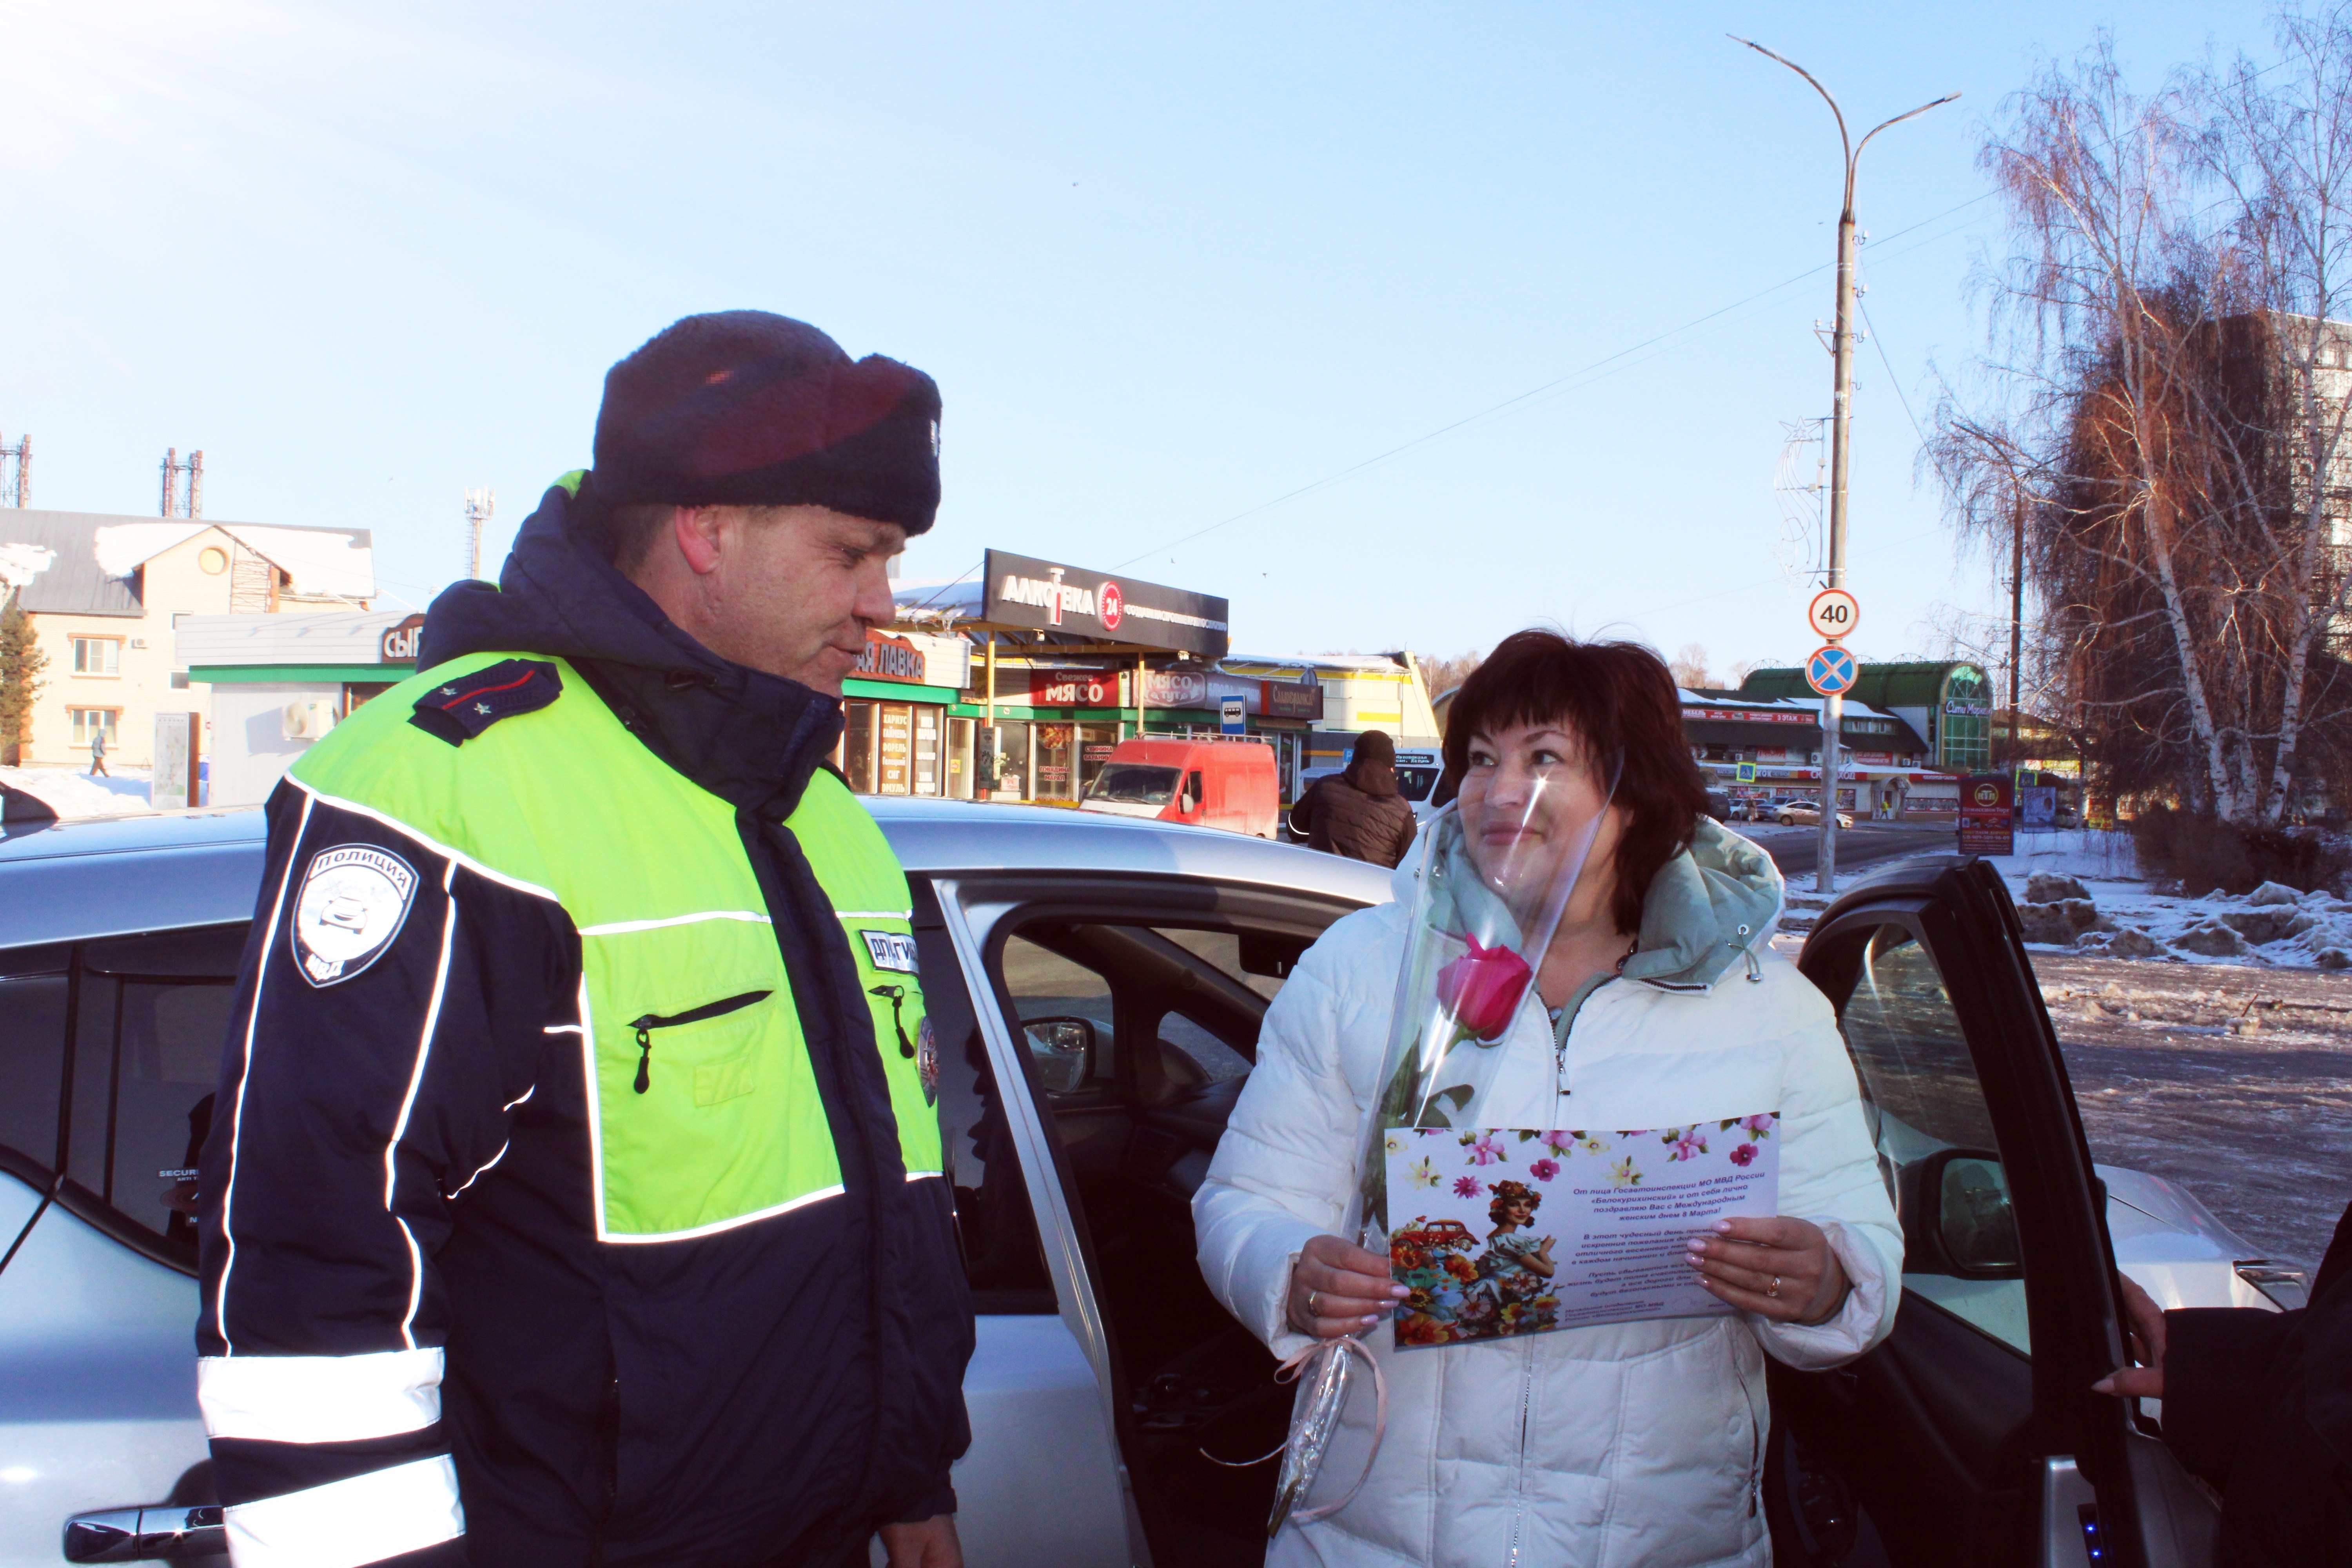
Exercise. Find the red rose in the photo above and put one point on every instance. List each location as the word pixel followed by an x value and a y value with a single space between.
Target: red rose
pixel 1482 989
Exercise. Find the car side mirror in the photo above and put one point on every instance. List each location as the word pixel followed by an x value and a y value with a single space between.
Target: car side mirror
pixel 1957 1218
pixel 1184 804
pixel 1063 1051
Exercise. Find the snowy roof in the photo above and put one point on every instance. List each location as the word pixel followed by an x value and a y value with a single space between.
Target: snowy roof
pixel 938 599
pixel 334 637
pixel 83 562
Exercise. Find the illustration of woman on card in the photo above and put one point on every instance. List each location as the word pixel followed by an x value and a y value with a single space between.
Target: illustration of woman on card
pixel 1515 1259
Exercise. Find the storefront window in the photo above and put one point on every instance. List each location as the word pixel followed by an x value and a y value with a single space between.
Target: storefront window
pixel 1057 762
pixel 1004 759
pixel 1096 744
pixel 927 751
pixel 857 746
pixel 961 760
pixel 892 752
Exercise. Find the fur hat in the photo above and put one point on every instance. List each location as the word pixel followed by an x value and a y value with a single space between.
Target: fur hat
pixel 745 408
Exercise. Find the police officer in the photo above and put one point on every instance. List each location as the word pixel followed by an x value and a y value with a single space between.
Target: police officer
pixel 573 1194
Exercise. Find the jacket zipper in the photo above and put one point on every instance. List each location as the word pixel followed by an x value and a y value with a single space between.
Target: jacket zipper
pixel 898 998
pixel 645 1026
pixel 1520 1478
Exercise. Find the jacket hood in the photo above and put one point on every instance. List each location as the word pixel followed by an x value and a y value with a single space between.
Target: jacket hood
pixel 750 738
pixel 1706 908
pixel 1376 779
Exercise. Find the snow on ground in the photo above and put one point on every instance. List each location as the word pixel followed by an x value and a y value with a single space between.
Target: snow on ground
pixel 71 792
pixel 2081 891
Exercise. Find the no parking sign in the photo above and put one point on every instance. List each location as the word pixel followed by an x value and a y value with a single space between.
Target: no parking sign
pixel 1830 670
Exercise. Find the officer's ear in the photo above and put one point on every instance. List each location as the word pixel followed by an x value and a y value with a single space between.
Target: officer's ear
pixel 700 531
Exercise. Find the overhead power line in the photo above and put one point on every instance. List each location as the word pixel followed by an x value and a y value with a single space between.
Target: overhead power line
pixel 1607 363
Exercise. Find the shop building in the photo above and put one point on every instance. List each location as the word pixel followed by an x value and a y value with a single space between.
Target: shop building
pixel 104 593
pixel 1058 664
pixel 275 684
pixel 902 730
pixel 1759 749
pixel 1947 705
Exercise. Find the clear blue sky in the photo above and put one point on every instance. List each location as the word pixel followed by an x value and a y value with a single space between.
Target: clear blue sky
pixel 1166 263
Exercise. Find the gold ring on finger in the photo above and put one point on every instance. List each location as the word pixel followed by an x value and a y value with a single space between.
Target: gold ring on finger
pixel 1312 1309
pixel 1775 1291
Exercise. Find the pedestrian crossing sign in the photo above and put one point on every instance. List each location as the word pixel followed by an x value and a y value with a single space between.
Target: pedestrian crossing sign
pixel 1744 772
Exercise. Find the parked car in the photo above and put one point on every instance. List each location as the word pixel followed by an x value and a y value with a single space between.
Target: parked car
pixel 1209 783
pixel 1097 983
pixel 1806 814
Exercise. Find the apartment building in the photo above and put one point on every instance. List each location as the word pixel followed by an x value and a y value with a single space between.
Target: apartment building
pixel 104 592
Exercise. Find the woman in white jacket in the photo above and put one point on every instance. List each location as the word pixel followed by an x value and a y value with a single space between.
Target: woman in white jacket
pixel 1659 1002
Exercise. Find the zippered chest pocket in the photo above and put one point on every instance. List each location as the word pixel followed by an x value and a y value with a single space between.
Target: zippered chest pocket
pixel 719 1074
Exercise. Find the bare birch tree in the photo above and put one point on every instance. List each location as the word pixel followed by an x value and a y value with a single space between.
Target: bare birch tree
pixel 2165 441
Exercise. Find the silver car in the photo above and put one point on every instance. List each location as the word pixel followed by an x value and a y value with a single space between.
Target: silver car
pixel 1098 984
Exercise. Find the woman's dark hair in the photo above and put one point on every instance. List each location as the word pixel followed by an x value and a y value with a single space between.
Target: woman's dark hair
pixel 1614 696
pixel 1509 1193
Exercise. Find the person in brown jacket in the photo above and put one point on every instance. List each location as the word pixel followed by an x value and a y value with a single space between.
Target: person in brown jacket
pixel 1358 812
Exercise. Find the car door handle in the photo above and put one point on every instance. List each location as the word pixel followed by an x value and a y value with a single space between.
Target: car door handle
pixel 155 1534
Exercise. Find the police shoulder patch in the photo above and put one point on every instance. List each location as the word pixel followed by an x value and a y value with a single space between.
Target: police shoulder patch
pixel 354 899
pixel 463 706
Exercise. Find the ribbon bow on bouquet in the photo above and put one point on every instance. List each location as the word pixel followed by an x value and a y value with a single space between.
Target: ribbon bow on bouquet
pixel 1311 1425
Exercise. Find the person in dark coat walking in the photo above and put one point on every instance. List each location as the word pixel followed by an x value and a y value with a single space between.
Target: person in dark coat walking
pixel 1358 812
pixel 2259 1404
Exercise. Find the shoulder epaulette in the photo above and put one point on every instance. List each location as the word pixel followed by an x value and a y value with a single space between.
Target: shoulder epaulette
pixel 463 706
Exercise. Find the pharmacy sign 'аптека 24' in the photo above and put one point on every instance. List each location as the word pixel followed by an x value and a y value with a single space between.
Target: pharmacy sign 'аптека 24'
pixel 1054 597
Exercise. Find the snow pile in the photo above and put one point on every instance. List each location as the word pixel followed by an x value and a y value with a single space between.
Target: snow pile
pixel 2090 854
pixel 2271 925
pixel 71 792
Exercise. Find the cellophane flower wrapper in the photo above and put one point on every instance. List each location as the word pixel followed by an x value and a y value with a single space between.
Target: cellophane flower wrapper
pixel 1471 956
pixel 1476 939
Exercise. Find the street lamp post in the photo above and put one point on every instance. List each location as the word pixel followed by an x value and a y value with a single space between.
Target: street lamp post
pixel 1842 408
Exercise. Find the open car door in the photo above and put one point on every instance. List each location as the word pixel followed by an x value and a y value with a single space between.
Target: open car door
pixel 1971 1435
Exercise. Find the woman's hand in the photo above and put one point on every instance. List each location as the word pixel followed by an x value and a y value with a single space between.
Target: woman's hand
pixel 1779 1269
pixel 1336 1290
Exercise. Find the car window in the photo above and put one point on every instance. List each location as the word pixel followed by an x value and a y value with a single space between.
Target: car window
pixel 1922 1095
pixel 150 1016
pixel 1214 1057
pixel 32 1050
pixel 1003 1261
pixel 1045 984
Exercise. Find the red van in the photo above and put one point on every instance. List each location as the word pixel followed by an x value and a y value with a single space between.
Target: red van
pixel 1215 783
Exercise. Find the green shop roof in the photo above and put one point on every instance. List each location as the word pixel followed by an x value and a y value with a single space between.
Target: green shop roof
pixel 1916 685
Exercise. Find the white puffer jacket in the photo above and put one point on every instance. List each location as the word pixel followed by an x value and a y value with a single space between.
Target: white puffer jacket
pixel 1625 1444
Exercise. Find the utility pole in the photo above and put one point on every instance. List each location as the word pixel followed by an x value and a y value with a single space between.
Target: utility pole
pixel 479 507
pixel 21 494
pixel 1842 356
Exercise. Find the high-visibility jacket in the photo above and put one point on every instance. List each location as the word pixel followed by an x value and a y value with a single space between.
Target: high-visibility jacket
pixel 572 1193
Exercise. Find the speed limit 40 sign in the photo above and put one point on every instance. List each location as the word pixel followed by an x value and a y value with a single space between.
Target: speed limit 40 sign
pixel 1833 614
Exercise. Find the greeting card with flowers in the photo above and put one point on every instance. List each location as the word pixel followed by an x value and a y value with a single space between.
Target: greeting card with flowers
pixel 1502 1231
